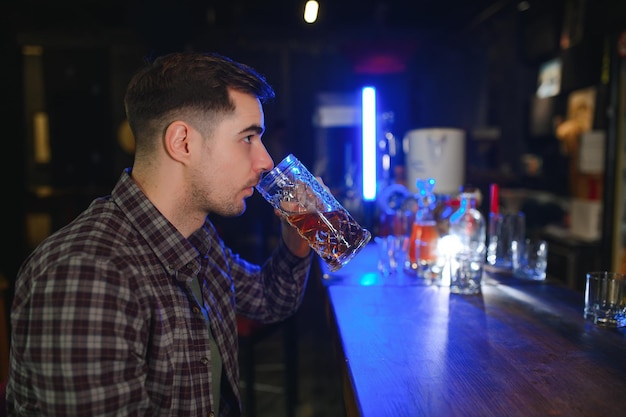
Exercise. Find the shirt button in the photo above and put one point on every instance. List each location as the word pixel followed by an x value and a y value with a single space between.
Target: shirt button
pixel 204 361
pixel 196 309
pixel 211 414
pixel 189 265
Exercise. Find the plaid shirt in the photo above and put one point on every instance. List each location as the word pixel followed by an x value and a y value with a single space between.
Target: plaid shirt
pixel 104 321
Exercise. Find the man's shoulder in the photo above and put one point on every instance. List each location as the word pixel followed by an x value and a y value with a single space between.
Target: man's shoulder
pixel 97 231
pixel 102 221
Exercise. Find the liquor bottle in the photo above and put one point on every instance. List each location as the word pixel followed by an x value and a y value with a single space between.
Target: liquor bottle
pixel 424 235
pixel 466 247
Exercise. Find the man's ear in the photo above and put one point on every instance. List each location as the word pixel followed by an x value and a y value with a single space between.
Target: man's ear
pixel 176 140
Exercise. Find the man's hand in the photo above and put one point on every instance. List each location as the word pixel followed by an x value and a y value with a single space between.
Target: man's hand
pixel 296 243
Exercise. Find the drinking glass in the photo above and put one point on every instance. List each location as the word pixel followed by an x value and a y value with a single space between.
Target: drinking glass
pixel 530 259
pixel 310 207
pixel 605 298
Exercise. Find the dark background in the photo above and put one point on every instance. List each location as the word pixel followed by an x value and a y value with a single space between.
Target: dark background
pixel 467 64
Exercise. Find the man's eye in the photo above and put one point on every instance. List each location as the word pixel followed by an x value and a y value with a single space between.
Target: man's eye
pixel 248 139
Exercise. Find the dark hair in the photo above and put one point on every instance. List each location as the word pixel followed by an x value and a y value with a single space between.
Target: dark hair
pixel 187 81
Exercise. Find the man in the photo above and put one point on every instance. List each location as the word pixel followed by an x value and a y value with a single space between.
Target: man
pixel 130 309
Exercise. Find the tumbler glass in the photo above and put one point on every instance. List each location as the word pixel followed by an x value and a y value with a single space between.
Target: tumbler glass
pixel 504 230
pixel 605 298
pixel 308 206
pixel 530 259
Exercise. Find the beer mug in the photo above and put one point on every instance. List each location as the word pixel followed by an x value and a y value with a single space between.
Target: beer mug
pixel 309 207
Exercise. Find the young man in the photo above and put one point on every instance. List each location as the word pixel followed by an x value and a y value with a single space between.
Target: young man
pixel 130 309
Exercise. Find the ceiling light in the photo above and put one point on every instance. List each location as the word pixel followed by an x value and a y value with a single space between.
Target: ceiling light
pixel 310 11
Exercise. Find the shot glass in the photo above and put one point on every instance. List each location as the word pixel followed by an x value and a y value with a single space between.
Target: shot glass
pixel 530 259
pixel 605 298
pixel 392 253
pixel 309 207
pixel 466 271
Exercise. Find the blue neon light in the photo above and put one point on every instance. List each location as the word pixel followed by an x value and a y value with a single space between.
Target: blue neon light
pixel 368 162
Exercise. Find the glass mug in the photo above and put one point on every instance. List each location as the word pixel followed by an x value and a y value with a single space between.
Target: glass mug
pixel 308 206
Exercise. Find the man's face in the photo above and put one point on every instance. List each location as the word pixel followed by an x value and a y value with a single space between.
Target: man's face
pixel 231 160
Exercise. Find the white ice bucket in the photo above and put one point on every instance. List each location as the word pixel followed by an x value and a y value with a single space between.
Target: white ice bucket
pixel 437 153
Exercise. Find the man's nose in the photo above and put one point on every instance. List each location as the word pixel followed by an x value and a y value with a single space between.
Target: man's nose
pixel 267 163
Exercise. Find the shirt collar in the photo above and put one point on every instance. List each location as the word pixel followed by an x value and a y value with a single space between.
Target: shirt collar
pixel 169 245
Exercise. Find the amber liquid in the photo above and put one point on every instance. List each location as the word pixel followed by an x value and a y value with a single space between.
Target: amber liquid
pixel 423 243
pixel 334 235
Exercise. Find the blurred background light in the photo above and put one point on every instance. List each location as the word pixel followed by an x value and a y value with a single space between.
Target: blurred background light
pixel 368 148
pixel 310 11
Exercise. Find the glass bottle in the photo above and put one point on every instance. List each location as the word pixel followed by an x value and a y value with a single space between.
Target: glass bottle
pixel 392 235
pixel 466 246
pixel 424 234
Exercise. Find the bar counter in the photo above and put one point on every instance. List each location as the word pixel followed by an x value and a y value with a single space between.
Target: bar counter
pixel 520 348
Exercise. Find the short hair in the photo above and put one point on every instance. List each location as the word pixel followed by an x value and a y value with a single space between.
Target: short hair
pixel 193 82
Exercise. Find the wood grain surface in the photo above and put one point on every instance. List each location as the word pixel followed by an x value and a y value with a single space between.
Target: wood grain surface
pixel 518 349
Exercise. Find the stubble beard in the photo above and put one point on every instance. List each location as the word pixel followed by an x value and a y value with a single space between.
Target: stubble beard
pixel 231 209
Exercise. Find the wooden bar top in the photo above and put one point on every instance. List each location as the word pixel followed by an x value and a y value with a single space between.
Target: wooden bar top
pixel 518 349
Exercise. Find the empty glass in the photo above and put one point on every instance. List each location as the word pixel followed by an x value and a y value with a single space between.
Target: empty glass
pixel 605 298
pixel 530 259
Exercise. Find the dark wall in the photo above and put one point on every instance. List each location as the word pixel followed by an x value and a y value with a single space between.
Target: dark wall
pixel 11 168
pixel 474 76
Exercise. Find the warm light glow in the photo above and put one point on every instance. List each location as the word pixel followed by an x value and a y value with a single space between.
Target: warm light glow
pixel 448 247
pixel 368 111
pixel 310 11
pixel 41 136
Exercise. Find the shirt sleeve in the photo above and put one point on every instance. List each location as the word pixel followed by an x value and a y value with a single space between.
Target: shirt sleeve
pixel 274 291
pixel 81 336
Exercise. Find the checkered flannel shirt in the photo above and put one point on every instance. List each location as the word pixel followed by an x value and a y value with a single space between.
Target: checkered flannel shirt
pixel 104 320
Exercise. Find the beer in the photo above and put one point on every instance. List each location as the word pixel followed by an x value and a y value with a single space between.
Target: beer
pixel 334 235
pixel 310 207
